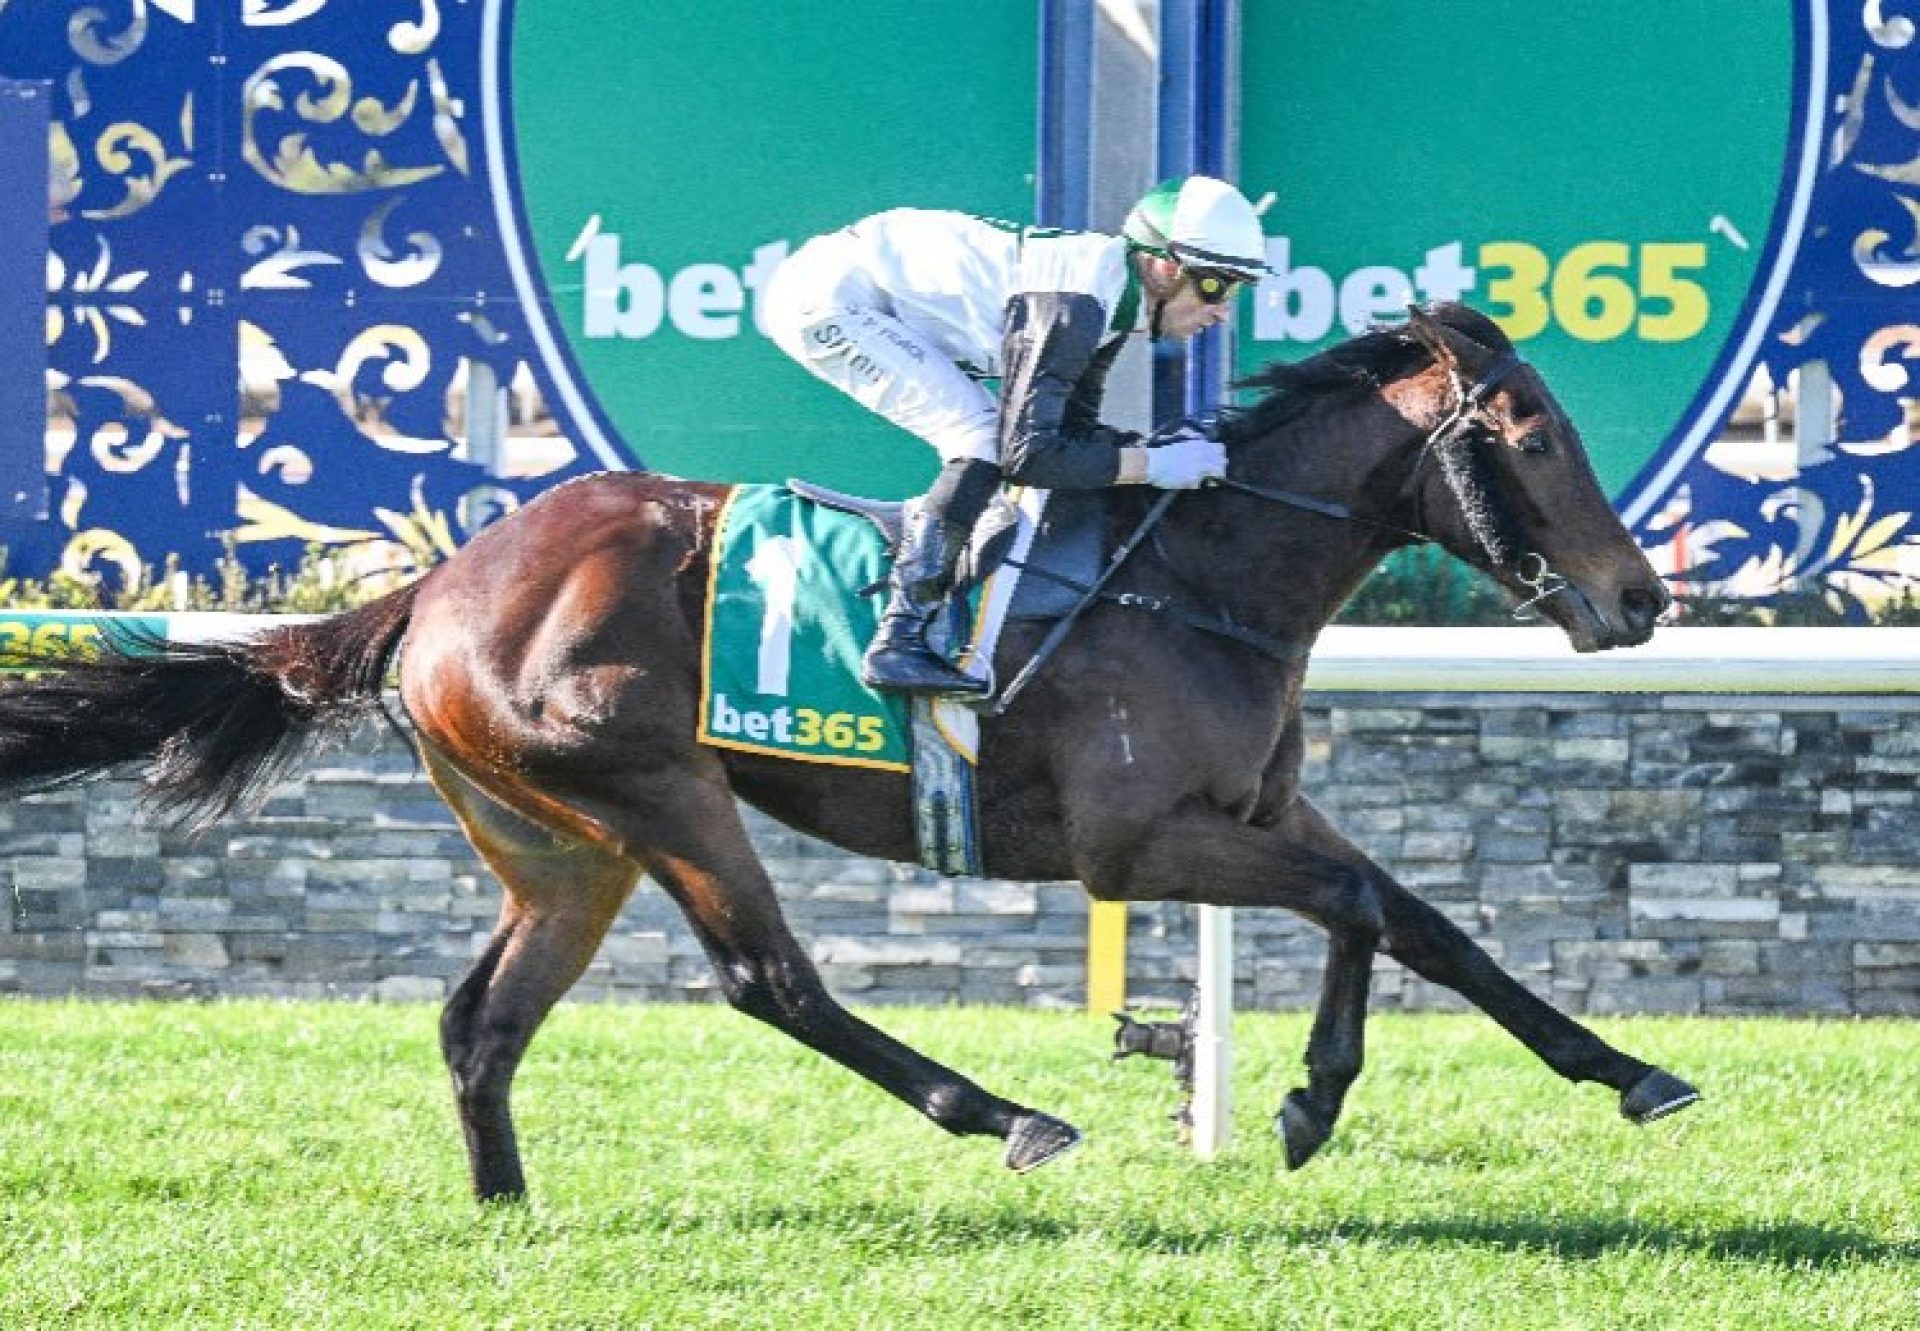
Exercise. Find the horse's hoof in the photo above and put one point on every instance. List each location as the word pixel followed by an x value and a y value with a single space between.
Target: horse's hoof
pixel 1655 1095
pixel 1302 1128
pixel 1037 1138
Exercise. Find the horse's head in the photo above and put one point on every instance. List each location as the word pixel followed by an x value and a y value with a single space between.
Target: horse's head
pixel 1502 480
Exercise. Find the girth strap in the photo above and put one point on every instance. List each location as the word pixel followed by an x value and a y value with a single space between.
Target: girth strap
pixel 1057 634
pixel 1279 649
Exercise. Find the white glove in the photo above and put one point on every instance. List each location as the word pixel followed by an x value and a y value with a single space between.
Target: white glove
pixel 1185 461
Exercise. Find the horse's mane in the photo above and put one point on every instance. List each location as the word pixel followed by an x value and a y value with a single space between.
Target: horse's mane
pixel 1360 365
pixel 1382 354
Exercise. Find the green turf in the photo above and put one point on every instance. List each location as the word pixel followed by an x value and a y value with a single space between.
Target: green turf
pixel 298 1165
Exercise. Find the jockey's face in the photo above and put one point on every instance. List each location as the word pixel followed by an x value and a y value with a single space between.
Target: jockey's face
pixel 1180 309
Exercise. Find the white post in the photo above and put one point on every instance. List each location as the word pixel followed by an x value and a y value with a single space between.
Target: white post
pixel 1814 410
pixel 1213 1036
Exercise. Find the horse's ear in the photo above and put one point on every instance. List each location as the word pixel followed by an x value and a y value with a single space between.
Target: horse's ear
pixel 1432 336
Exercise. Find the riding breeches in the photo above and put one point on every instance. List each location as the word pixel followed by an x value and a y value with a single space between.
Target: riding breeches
pixel 823 311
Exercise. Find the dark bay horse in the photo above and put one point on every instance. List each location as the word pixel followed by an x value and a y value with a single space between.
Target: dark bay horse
pixel 551 671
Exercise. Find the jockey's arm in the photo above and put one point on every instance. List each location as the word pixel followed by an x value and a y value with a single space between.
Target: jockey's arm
pixel 1052 382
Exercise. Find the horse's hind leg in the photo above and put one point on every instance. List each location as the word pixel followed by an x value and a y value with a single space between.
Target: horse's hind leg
pixel 561 898
pixel 708 864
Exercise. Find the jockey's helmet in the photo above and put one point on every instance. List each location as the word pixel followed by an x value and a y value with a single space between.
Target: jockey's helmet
pixel 1200 223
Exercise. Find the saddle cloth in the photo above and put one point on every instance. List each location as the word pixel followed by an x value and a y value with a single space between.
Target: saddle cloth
pixel 786 626
pixel 1058 537
pixel 788 619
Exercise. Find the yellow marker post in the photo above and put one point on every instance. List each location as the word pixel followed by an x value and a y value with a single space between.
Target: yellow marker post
pixel 1106 956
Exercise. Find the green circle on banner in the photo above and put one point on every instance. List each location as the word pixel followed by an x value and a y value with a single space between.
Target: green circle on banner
pixel 661 169
pixel 1610 182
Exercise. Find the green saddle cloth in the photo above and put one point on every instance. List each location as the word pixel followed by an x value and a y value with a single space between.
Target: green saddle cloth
pixel 786 627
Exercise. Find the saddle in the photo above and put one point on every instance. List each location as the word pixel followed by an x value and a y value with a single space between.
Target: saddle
pixel 886 514
pixel 1060 560
pixel 1065 555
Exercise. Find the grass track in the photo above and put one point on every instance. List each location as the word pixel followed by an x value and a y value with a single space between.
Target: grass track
pixel 298 1165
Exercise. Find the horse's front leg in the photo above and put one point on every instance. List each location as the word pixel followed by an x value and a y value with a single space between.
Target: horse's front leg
pixel 1433 947
pixel 1430 945
pixel 1212 859
pixel 1336 1049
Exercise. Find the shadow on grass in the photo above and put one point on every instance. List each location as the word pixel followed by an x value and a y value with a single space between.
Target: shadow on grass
pixel 1580 1238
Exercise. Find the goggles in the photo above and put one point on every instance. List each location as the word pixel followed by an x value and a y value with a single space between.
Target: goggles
pixel 1214 286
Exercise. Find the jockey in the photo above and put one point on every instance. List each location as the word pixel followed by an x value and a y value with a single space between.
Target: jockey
pixel 908 311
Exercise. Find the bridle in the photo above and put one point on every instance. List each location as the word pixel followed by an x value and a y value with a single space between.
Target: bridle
pixel 1454 430
pixel 1469 401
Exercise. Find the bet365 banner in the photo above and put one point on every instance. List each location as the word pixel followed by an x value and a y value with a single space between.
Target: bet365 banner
pixel 55 632
pixel 1619 185
pixel 667 160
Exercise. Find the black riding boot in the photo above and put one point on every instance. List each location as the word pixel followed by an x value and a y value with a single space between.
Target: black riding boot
pixel 922 577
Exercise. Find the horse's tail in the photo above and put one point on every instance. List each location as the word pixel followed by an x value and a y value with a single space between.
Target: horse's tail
pixel 218 723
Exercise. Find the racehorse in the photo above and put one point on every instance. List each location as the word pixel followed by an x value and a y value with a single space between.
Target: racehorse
pixel 550 670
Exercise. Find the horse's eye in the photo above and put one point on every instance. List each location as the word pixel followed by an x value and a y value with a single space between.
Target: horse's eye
pixel 1536 442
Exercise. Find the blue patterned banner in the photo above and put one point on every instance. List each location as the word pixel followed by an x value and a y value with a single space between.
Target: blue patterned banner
pixel 281 309
pixel 273 287
pixel 314 278
pixel 1824 500
pixel 23 224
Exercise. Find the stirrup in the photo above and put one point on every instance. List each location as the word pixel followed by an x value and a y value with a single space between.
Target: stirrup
pixel 918 669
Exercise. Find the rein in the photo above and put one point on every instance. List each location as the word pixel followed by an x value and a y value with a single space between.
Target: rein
pixel 1057 634
pixel 1468 401
pixel 1281 649
pixel 1326 508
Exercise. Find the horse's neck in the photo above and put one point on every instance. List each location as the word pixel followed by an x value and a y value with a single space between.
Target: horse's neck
pixel 1289 568
pixel 1267 565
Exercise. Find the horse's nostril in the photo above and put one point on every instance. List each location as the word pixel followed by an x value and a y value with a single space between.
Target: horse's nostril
pixel 1641 606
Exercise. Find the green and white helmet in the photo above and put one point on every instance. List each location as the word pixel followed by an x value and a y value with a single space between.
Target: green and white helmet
pixel 1202 223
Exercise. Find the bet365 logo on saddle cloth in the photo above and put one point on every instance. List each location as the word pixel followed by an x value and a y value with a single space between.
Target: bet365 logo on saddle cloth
pixel 786 627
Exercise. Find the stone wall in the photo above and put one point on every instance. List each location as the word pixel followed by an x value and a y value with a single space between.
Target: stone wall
pixel 1655 854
